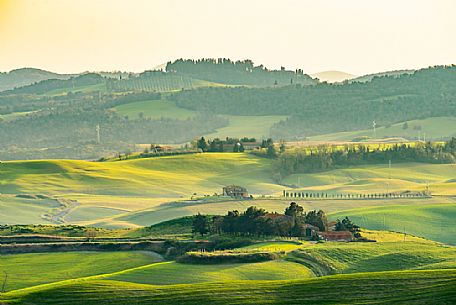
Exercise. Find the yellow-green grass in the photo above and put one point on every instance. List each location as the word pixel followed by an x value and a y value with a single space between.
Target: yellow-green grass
pixel 435 222
pixel 274 246
pixel 25 270
pixel 155 109
pixel 334 257
pixel 370 179
pixel 169 273
pixel 171 177
pixel 247 126
pixel 15 210
pixel 432 128
pixel 145 191
pixel 410 287
pixel 89 88
pixel 12 116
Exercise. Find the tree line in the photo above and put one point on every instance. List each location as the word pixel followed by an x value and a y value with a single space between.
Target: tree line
pixel 329 157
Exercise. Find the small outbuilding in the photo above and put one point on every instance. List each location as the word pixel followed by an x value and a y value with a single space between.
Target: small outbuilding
pixel 336 236
pixel 235 191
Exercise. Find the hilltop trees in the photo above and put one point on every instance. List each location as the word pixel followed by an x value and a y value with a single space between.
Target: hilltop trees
pixel 258 222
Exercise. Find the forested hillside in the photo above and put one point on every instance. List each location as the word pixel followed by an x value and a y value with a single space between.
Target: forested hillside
pixel 326 108
pixel 65 126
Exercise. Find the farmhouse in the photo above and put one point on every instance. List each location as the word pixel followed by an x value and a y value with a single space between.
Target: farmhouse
pixel 336 236
pixel 235 191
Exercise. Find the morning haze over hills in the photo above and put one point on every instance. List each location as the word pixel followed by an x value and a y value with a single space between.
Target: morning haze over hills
pixel 230 174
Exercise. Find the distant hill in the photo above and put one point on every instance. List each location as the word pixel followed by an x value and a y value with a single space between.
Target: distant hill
pixel 369 77
pixel 27 76
pixel 238 73
pixel 333 76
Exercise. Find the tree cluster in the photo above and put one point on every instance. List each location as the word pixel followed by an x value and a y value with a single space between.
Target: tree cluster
pixel 258 222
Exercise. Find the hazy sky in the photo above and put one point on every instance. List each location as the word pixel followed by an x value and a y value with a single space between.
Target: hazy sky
pixel 356 36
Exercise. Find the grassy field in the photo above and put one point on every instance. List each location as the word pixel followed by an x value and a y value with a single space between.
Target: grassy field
pixel 330 258
pixel 147 191
pixel 154 109
pixel 434 222
pixel 15 210
pixel 247 126
pixel 175 273
pixel 410 287
pixel 431 128
pixel 441 179
pixel 239 126
pixel 25 270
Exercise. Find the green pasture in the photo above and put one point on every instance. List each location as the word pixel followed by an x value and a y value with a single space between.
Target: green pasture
pixel 155 109
pixel 247 126
pixel 435 222
pixel 434 128
pixel 410 287
pixel 169 273
pixel 25 270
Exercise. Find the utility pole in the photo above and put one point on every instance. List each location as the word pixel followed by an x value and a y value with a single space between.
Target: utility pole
pixel 98 133
pixel 374 125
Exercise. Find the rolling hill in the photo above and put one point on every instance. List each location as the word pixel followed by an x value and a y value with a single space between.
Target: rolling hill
pixel 27 76
pixel 147 191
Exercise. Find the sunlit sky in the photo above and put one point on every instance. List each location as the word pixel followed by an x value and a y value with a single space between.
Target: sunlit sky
pixel 355 36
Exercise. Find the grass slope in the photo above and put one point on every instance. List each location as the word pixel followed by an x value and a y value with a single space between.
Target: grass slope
pixel 375 179
pixel 239 126
pixel 154 109
pixel 411 287
pixel 144 191
pixel 25 270
pixel 330 258
pixel 433 128
pixel 175 273
pixel 434 222
pixel 172 176
pixel 247 126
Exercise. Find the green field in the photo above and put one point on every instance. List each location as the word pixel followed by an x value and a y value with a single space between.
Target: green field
pixel 247 126
pixel 370 179
pixel 330 258
pixel 239 126
pixel 154 109
pixel 410 287
pixel 25 270
pixel 175 273
pixel 429 128
pixel 434 222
